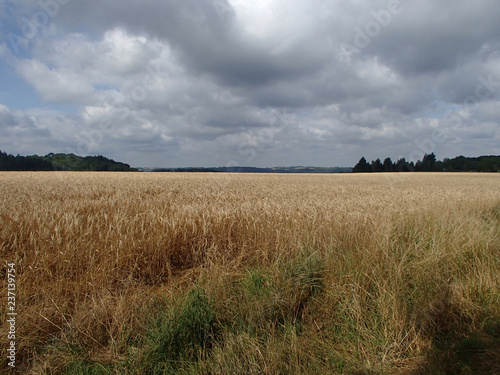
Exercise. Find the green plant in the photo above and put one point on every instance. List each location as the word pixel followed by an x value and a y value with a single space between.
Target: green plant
pixel 183 334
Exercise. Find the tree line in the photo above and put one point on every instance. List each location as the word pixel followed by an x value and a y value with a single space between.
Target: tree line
pixel 60 162
pixel 430 164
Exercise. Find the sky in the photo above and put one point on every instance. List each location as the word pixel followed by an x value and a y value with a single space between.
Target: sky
pixel 178 83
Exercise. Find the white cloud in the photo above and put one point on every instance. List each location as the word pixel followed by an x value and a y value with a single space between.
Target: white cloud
pixel 175 79
pixel 54 84
pixel 75 68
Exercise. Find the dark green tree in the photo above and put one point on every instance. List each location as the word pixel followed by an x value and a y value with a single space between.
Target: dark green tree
pixel 362 166
pixel 388 165
pixel 426 164
pixel 403 166
pixel 377 166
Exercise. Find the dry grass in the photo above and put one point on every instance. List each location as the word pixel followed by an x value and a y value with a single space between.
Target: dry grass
pixel 219 273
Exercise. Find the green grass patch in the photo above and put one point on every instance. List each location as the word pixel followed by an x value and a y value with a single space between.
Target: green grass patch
pixel 183 334
pixel 84 367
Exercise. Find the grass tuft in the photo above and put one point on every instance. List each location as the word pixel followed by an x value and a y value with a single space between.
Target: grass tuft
pixel 184 333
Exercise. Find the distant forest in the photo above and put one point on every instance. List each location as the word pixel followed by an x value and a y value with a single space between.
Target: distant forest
pixel 71 162
pixel 60 162
pixel 430 164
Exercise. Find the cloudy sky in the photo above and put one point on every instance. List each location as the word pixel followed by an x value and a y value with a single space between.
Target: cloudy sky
pixel 255 83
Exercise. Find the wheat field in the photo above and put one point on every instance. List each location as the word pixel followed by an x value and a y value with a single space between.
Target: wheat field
pixel 159 273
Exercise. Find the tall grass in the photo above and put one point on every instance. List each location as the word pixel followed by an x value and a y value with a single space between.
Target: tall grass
pixel 219 273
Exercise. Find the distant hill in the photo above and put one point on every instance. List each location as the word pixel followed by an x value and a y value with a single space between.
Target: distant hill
pixel 61 162
pixel 259 170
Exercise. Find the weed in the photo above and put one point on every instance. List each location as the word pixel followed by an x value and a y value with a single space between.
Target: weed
pixel 184 334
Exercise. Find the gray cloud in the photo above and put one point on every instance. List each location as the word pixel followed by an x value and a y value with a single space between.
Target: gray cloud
pixel 201 82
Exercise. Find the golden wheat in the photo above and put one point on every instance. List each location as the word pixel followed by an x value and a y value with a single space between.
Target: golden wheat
pixel 402 256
